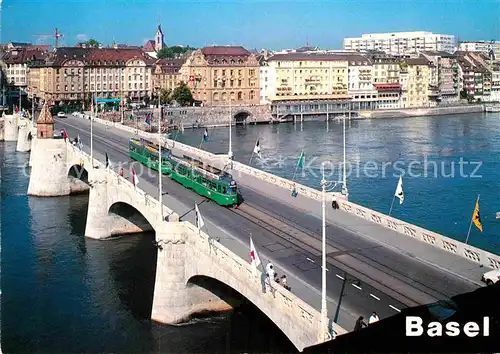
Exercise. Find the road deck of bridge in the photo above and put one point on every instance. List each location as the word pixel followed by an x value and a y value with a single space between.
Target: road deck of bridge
pixel 434 256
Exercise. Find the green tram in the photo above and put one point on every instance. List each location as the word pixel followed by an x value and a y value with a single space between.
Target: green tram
pixel 205 180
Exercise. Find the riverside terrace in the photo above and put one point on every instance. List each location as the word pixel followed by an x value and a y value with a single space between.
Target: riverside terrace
pixel 387 263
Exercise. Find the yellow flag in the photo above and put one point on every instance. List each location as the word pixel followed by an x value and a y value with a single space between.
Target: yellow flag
pixel 476 217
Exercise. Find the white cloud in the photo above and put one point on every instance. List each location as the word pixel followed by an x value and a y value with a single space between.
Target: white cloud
pixel 82 37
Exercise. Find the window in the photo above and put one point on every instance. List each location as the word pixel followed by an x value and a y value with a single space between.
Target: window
pixel 239 83
pixel 240 96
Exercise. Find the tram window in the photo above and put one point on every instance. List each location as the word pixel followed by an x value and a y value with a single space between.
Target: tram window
pixel 224 190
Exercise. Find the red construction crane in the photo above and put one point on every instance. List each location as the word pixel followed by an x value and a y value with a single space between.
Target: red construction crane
pixel 55 35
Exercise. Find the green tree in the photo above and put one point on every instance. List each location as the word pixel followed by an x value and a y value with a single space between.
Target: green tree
pixel 92 43
pixel 172 52
pixel 166 96
pixel 463 94
pixel 182 95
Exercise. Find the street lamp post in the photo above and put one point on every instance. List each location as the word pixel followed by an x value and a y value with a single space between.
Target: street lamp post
pixel 160 174
pixel 324 309
pixel 230 152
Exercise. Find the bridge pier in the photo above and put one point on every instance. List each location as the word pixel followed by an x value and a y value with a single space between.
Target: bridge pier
pixel 174 300
pixel 10 127
pixel 24 136
pixel 49 176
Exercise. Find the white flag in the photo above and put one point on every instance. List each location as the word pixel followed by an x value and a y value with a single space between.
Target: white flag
pixel 399 191
pixel 135 179
pixel 256 149
pixel 199 220
pixel 254 257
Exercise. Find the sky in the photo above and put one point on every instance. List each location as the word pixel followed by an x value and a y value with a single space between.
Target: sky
pixel 252 23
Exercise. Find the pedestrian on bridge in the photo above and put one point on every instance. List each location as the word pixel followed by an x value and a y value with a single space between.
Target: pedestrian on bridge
pixel 373 318
pixel 270 272
pixel 359 323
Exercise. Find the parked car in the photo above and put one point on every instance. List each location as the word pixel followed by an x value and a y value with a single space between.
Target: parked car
pixel 61 115
pixel 491 277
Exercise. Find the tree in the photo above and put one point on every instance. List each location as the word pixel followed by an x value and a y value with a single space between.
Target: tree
pixel 172 52
pixel 182 95
pixel 166 96
pixel 92 43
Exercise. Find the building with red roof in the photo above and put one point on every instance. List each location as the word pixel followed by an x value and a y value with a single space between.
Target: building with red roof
pixel 222 75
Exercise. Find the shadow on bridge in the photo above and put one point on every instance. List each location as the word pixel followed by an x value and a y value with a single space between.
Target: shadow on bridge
pixel 127 220
pixel 248 328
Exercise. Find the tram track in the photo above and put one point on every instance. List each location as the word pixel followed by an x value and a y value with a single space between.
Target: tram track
pixel 311 242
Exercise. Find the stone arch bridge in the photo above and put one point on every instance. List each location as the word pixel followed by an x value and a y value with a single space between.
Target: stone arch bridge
pixel 185 255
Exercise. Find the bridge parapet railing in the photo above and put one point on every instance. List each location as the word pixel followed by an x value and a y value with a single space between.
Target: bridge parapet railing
pixel 149 201
pixel 283 182
pixel 458 248
pixel 243 271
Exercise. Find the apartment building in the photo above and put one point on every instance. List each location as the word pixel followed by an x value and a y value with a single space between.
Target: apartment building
pixel 418 89
pixel 223 75
pixel 15 64
pixel 444 74
pixel 166 73
pixel 267 80
pixel 360 85
pixel 77 74
pixel 308 76
pixel 386 79
pixel 400 43
pixel 478 76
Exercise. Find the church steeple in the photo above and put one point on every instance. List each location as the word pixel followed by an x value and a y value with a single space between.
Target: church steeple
pixel 159 43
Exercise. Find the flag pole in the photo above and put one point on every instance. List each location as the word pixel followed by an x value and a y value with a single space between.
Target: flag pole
pixel 470 225
pixel 390 210
pixel 253 151
pixel 92 132
pixel 297 167
pixel 160 169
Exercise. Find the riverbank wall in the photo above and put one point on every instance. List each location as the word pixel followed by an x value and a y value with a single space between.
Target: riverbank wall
pixel 419 112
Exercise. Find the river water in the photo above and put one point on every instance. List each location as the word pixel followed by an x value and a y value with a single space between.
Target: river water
pixel 62 292
pixel 445 162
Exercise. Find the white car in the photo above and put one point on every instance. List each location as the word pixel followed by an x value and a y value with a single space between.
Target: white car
pixel 491 277
pixel 61 115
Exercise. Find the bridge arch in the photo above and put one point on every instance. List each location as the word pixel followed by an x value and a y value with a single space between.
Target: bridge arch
pixel 234 297
pixel 241 117
pixel 126 219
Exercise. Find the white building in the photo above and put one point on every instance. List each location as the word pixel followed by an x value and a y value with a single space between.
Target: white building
pixel 484 47
pixel 360 87
pixel 267 79
pixel 495 86
pixel 399 43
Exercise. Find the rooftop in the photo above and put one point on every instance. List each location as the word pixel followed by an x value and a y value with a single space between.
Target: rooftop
pixel 225 51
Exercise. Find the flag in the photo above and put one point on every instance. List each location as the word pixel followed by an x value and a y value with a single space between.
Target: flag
pixel 399 191
pixel 199 220
pixel 254 257
pixel 108 164
pixel 302 160
pixel 476 217
pixel 205 135
pixel 131 117
pixel 135 179
pixel 256 149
